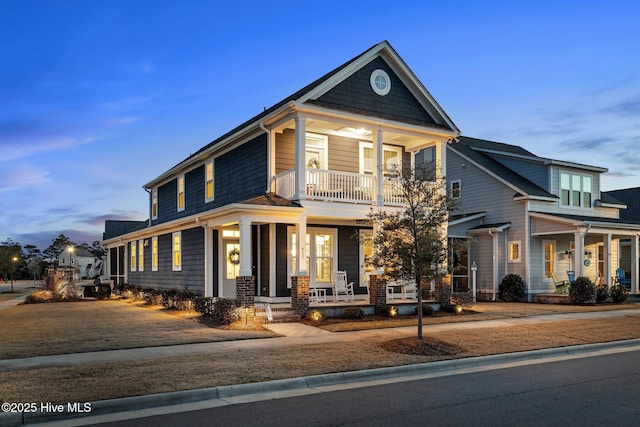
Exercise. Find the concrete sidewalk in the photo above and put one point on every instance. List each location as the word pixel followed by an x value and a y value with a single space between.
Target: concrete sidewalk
pixel 293 334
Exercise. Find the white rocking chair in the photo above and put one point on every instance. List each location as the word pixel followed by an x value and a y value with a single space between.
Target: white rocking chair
pixel 341 287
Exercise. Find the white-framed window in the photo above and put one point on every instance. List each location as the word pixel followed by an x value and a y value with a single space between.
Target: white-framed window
pixel 154 253
pixel 366 252
pixel 133 255
pixel 514 251
pixel 208 181
pixel 576 190
pixel 176 250
pixel 322 254
pixel 180 195
pixel 316 152
pixel 456 188
pixel 380 82
pixel 548 259
pixel 140 255
pixel 391 158
pixel 154 203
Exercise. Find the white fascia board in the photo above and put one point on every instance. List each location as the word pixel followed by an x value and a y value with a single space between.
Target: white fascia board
pixel 536 198
pixel 562 163
pixel 554 218
pixel 467 218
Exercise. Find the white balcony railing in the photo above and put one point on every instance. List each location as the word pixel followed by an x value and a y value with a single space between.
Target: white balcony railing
pixel 338 186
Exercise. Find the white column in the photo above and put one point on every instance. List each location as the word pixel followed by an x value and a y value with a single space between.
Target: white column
pixel 300 154
pixel 245 247
pixel 607 260
pixel 301 245
pixel 578 266
pixel 208 261
pixel 378 161
pixel 634 265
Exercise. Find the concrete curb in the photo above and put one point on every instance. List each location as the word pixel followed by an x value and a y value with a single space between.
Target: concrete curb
pixel 311 382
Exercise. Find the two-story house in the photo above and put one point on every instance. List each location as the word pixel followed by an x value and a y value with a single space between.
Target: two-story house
pixel 534 216
pixel 288 192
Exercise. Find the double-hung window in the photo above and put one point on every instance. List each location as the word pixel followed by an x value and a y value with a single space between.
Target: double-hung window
pixel 575 189
pixel 208 183
pixel 140 255
pixel 154 253
pixel 177 250
pixel 180 193
pixel 134 256
pixel 154 203
pixel 391 159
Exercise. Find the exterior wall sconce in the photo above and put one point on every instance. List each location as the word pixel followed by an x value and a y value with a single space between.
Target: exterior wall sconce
pixel 587 253
pixel 568 252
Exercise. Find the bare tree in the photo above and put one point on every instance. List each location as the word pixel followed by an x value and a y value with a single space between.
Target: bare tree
pixel 411 242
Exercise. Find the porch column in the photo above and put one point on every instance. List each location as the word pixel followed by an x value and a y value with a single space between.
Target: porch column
pixel 245 247
pixel 607 261
pixel 578 266
pixel 634 265
pixel 301 245
pixel 378 293
pixel 299 157
pixel 378 161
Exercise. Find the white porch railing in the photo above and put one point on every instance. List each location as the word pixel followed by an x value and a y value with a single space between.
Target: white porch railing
pixel 338 186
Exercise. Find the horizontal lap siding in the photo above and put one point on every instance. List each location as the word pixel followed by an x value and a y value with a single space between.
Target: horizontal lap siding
pixel 349 255
pixel 344 154
pixel 285 151
pixel 192 275
pixel 239 174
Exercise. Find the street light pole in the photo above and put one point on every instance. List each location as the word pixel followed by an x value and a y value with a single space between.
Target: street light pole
pixel 13 270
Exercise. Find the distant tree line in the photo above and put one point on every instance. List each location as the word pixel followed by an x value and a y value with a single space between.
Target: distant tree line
pixel 29 262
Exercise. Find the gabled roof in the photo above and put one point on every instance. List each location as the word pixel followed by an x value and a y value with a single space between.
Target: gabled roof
pixel 312 93
pixel 477 151
pixel 593 220
pixel 113 228
pixel 629 197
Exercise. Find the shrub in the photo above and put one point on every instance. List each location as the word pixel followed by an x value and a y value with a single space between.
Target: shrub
pixel 427 310
pixel 226 311
pixel 465 299
pixel 511 288
pixel 204 305
pixel 602 293
pixel 582 291
pixel 619 293
pixel 315 315
pixel 353 313
pixel 38 297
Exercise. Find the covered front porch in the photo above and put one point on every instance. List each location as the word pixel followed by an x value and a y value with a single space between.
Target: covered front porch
pixel 583 246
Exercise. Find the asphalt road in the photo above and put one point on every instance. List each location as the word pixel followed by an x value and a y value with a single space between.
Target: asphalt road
pixel 591 391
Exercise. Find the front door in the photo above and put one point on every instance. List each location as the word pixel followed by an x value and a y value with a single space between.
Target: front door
pixel 231 267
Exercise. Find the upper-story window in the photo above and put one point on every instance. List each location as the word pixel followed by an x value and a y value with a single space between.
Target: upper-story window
pixel 391 158
pixel 208 184
pixel 154 203
pixel 180 193
pixel 316 151
pixel 575 189
pixel 177 250
pixel 456 188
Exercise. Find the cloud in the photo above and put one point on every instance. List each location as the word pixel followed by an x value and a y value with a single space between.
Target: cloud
pixel 122 120
pixel 595 143
pixel 629 107
pixel 22 176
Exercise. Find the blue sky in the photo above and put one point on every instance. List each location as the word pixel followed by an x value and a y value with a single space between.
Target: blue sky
pixel 99 97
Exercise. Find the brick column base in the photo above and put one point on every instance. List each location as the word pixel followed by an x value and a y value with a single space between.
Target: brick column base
pixel 300 294
pixel 378 293
pixel 246 293
pixel 443 290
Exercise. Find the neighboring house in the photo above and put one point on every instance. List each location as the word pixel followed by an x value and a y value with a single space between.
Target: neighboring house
pixel 287 193
pixel 631 198
pixel 80 259
pixel 535 217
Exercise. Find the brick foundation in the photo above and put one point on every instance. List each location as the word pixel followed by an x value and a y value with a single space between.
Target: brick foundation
pixel 378 293
pixel 246 293
pixel 300 294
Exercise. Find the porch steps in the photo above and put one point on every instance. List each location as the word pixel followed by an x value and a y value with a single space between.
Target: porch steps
pixel 268 314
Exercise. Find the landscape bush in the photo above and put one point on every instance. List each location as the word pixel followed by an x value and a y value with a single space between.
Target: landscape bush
pixel 226 311
pixel 582 291
pixel 353 313
pixel 511 288
pixel 619 293
pixel 314 315
pixel 602 293
pixel 465 299
pixel 427 310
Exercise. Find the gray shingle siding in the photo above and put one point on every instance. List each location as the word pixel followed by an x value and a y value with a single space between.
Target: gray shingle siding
pixel 355 95
pixel 192 275
pixel 239 175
